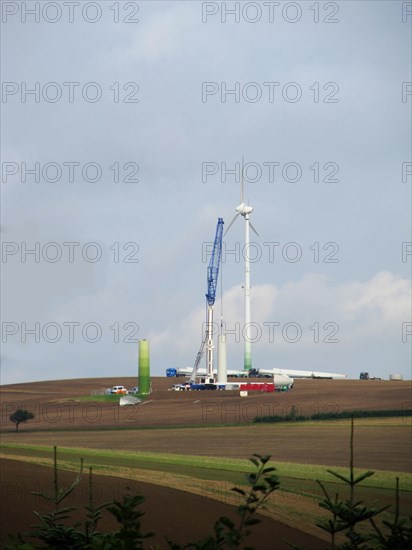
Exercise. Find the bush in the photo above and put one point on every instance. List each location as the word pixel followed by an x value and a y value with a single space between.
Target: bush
pixel 292 416
pixel 54 533
pixel 346 516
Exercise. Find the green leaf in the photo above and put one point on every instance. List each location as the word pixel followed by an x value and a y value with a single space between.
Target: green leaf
pixel 363 476
pixel 343 478
pixel 251 477
pixel 273 481
pixel 227 522
pixel 260 487
pixel 237 490
pixel 257 456
pixel 252 521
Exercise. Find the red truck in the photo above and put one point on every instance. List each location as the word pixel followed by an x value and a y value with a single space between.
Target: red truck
pixel 257 386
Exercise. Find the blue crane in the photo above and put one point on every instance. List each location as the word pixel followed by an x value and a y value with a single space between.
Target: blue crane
pixel 212 276
pixel 213 269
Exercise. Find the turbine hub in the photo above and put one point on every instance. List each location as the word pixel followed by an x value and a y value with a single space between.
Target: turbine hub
pixel 244 209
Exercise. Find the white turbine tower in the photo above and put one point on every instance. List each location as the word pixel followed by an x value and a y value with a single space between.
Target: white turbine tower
pixel 245 210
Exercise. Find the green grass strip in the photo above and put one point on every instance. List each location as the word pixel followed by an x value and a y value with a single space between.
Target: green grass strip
pixel 381 479
pixel 109 398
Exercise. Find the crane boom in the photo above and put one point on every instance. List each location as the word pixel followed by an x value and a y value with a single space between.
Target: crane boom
pixel 198 359
pixel 212 276
pixel 213 269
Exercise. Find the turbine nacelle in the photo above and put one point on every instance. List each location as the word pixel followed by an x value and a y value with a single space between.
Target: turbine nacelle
pixel 244 209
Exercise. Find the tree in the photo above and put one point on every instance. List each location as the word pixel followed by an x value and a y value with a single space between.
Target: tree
pixel 19 416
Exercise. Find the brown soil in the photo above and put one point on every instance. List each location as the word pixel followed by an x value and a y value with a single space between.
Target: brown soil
pixel 58 404
pixel 180 516
pixel 380 447
pixel 64 418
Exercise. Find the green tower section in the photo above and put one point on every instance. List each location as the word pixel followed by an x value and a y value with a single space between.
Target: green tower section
pixel 144 367
pixel 247 365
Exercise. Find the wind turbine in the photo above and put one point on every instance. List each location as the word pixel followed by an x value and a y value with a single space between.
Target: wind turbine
pixel 245 210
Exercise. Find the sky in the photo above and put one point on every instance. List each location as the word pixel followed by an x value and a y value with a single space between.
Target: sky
pixel 124 125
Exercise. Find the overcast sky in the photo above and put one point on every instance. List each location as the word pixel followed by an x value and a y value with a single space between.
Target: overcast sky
pixel 123 128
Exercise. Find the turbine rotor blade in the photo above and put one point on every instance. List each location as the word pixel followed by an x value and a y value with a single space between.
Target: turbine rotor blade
pixel 253 229
pixel 231 223
pixel 241 181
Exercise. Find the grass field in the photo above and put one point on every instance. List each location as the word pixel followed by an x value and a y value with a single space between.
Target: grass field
pixel 208 465
pixel 214 477
pixel 382 444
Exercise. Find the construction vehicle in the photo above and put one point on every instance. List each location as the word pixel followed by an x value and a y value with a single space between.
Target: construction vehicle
pixel 366 376
pixel 207 342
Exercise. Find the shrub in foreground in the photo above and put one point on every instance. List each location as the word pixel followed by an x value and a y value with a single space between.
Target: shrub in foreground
pixel 346 515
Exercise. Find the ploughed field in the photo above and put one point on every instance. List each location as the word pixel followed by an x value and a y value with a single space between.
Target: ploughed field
pixel 180 516
pixel 67 403
pixel 184 449
pixel 217 423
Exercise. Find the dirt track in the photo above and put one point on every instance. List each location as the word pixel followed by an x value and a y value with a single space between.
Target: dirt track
pixel 180 516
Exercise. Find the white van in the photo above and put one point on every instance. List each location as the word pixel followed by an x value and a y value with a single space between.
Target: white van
pixel 119 389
